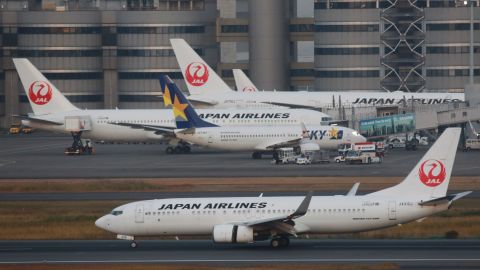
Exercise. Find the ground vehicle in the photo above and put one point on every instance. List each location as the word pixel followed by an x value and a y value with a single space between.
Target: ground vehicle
pixel 361 157
pixel 14 129
pixel 472 144
pixel 27 130
pixel 398 142
pixel 303 160
pixel 80 147
pixel 284 155
pixel 339 159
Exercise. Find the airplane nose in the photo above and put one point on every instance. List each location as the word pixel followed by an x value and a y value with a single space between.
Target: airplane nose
pixel 102 223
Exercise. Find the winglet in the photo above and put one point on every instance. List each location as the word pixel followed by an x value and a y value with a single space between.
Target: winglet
pixel 353 190
pixel 303 208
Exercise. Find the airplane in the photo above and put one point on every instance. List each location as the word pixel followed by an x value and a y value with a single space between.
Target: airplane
pixel 52 111
pixel 242 82
pixel 207 89
pixel 191 128
pixel 249 219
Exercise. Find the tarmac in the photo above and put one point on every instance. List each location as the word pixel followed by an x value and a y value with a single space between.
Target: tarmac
pixel 408 254
pixel 41 156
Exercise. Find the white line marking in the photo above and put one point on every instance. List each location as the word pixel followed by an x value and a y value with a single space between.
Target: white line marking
pixel 245 260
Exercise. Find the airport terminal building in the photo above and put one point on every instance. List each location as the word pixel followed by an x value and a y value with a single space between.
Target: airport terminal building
pixel 108 53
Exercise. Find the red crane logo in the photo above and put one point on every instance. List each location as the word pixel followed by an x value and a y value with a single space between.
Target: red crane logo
pixel 40 92
pixel 196 74
pixel 432 173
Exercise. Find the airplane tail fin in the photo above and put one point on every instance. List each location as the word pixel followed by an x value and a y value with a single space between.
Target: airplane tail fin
pixel 43 96
pixel 199 76
pixel 430 177
pixel 185 114
pixel 243 83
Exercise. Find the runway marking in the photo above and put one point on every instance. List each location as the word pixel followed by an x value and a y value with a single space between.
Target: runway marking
pixel 4 163
pixel 242 260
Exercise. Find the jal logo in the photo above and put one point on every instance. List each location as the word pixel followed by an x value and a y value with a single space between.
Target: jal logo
pixel 40 92
pixel 196 74
pixel 248 89
pixel 432 173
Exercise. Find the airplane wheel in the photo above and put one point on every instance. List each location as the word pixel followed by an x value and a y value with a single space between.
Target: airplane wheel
pixel 186 149
pixel 284 241
pixel 178 149
pixel 133 244
pixel 169 150
pixel 275 242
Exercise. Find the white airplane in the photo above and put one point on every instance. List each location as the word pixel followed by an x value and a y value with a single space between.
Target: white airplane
pixel 242 82
pixel 53 112
pixel 208 90
pixel 191 128
pixel 248 219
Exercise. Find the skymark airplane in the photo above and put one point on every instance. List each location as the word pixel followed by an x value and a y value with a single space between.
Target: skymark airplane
pixel 208 90
pixel 191 128
pixel 248 219
pixel 53 112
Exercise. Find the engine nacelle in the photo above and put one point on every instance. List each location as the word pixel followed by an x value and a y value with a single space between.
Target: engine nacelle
pixel 230 233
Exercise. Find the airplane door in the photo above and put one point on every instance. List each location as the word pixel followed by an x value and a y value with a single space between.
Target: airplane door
pixel 210 139
pixel 392 210
pixel 139 213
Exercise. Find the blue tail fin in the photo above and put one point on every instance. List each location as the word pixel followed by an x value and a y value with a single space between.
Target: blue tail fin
pixel 185 114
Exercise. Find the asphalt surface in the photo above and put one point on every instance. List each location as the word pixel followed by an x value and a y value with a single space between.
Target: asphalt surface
pixel 409 254
pixel 41 156
pixel 137 196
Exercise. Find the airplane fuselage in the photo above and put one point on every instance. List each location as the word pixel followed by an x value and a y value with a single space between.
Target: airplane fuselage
pixel 267 99
pixel 326 214
pixel 103 129
pixel 260 137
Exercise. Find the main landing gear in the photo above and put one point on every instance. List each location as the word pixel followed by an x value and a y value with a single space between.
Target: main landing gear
pixel 181 148
pixel 279 241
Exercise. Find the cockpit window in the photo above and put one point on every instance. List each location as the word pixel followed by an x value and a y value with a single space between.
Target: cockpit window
pixel 116 212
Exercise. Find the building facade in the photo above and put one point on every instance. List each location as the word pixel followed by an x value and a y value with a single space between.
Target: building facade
pixel 394 45
pixel 108 53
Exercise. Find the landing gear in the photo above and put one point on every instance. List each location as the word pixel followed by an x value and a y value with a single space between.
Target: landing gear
pixel 279 241
pixel 133 244
pixel 257 155
pixel 181 148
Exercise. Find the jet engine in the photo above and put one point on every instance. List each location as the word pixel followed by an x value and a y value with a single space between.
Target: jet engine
pixel 230 233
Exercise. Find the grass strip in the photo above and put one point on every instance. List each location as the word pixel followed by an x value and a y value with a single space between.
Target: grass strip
pixel 264 184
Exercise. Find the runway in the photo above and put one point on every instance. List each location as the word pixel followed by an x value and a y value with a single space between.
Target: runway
pixel 41 156
pixel 409 254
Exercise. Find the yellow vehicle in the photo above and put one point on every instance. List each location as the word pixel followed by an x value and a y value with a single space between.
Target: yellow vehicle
pixel 14 129
pixel 27 130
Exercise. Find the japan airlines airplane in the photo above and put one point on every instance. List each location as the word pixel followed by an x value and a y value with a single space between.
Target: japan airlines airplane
pixel 248 219
pixel 208 90
pixel 53 112
pixel 259 139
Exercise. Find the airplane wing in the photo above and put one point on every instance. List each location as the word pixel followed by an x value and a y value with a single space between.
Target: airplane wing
pixel 283 223
pixel 165 130
pixel 292 106
pixel 276 144
pixel 201 101
pixel 38 120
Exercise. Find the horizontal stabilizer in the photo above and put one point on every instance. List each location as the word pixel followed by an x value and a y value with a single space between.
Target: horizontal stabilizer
pixel 38 120
pixel 446 199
